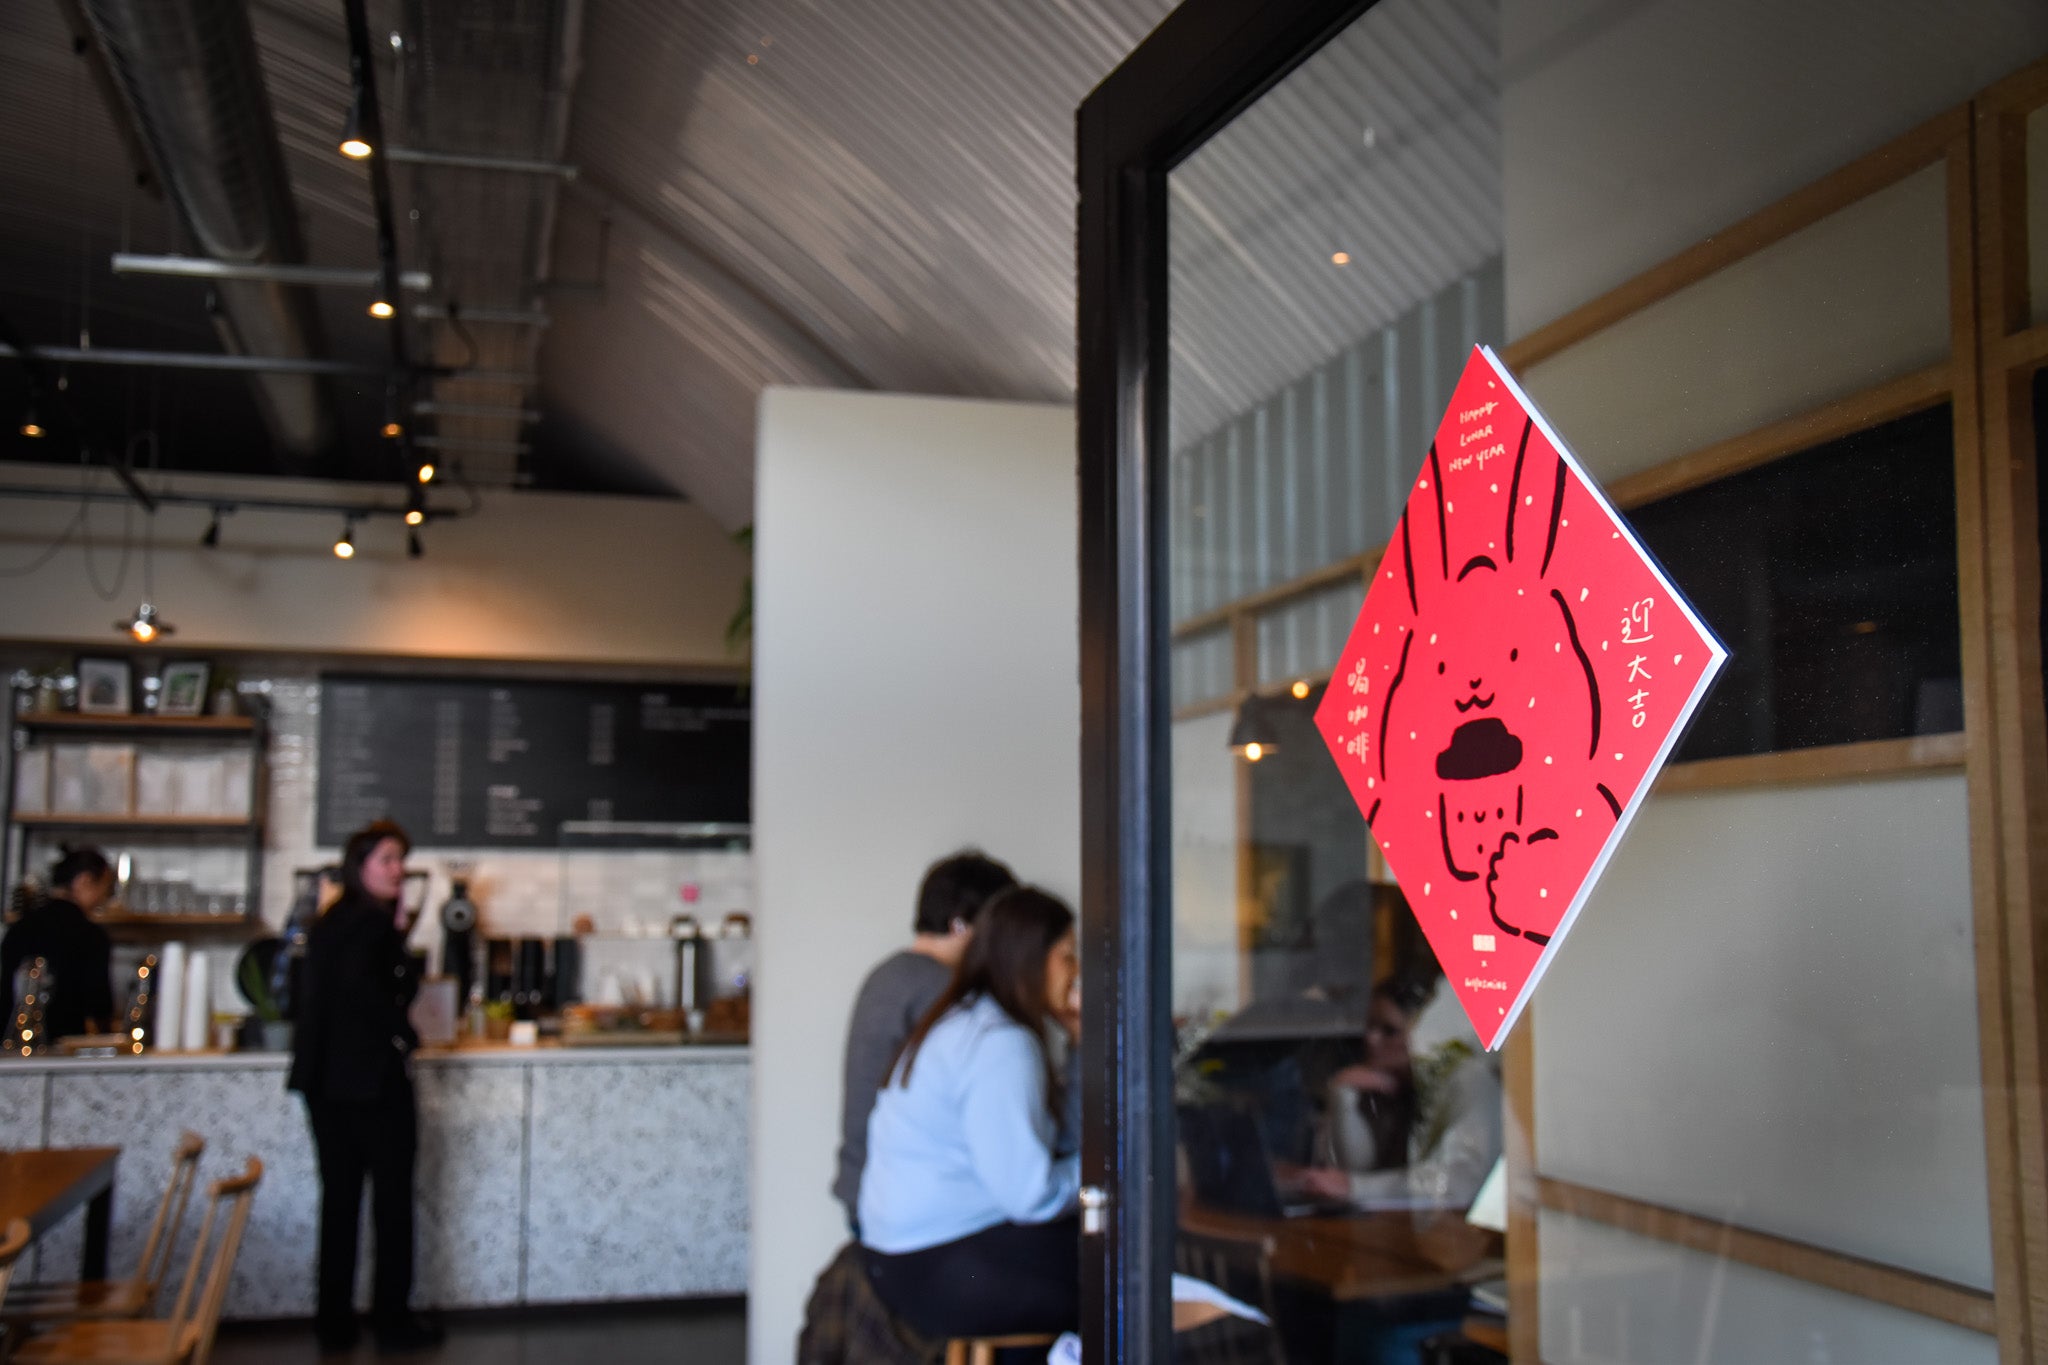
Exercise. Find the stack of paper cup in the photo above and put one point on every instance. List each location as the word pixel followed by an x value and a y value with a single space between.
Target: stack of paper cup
pixel 195 1034
pixel 170 997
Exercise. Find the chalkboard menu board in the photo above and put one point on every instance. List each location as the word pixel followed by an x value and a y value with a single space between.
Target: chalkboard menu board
pixel 478 764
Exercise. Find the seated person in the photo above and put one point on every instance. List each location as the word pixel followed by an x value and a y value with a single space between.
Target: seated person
pixel 896 995
pixel 966 1211
pixel 1409 1130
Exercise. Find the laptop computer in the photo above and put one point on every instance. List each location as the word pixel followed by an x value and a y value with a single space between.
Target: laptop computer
pixel 1230 1168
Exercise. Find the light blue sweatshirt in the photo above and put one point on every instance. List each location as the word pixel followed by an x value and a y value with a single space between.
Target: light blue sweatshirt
pixel 967 1144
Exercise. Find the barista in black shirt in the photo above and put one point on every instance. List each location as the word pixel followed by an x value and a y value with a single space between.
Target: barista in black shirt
pixel 60 930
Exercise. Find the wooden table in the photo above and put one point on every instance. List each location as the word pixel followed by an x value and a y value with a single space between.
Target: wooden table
pixel 44 1186
pixel 1362 1255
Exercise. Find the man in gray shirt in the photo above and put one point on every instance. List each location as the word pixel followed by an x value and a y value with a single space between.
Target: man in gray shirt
pixel 897 993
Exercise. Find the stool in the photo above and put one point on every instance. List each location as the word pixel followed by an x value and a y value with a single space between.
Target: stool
pixel 982 1350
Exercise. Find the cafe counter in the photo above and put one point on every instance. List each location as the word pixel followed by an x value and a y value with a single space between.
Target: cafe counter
pixel 546 1175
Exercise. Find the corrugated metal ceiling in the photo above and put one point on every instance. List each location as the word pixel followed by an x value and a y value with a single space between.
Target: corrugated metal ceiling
pixel 873 193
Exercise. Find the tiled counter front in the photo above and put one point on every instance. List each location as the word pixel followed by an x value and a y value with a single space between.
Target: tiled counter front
pixel 544 1177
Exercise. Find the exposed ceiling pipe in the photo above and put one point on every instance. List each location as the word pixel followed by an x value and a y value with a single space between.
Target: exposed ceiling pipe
pixel 198 267
pixel 188 72
pixel 511 165
pixel 245 364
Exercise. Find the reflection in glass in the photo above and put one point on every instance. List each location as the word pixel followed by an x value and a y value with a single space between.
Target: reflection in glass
pixel 1336 253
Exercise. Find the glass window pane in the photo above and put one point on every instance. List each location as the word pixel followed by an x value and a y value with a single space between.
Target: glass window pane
pixel 1839 611
pixel 1766 1019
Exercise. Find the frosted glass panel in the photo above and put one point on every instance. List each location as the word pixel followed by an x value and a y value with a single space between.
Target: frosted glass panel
pixel 1610 1296
pixel 1205 954
pixel 1768 1015
pixel 1857 298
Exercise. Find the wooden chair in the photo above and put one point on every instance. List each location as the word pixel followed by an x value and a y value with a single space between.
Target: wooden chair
pixel 186 1336
pixel 131 1298
pixel 982 1350
pixel 13 1241
pixel 1241 1265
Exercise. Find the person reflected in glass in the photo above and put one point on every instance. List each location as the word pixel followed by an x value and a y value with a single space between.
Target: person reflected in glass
pixel 352 1060
pixel 967 1209
pixel 1409 1127
pixel 60 929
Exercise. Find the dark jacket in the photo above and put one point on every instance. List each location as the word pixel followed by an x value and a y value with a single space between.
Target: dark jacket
pixel 80 956
pixel 351 1038
pixel 846 1323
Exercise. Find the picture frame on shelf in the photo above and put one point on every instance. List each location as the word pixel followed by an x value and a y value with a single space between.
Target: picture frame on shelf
pixel 184 688
pixel 105 687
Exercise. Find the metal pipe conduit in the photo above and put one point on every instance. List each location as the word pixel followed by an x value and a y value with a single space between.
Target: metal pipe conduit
pixel 248 364
pixel 189 75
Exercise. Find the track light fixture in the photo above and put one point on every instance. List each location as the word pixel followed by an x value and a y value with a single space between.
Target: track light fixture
pixel 345 548
pixel 425 474
pixel 413 548
pixel 30 426
pixel 381 308
pixel 353 144
pixel 416 505
pixel 145 625
pixel 212 536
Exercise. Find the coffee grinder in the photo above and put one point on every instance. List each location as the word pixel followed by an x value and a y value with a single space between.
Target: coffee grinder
pixel 458 932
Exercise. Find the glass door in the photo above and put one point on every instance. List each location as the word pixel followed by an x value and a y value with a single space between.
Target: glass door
pixel 1775 1096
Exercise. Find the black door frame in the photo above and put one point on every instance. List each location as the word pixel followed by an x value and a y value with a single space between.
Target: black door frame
pixel 1196 71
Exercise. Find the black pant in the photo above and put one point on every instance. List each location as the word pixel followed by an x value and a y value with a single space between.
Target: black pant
pixel 1014 1277
pixel 377 1140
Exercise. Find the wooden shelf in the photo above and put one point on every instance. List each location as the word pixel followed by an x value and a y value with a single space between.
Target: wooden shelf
pixel 129 927
pixel 233 824
pixel 198 725
pixel 174 738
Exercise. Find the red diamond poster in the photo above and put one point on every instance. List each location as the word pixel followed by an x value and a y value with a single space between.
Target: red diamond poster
pixel 1518 675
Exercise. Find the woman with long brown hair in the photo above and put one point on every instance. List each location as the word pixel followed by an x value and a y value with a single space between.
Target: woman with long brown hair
pixel 966 1208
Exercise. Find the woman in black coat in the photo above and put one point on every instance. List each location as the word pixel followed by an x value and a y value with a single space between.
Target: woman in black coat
pixel 352 1059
